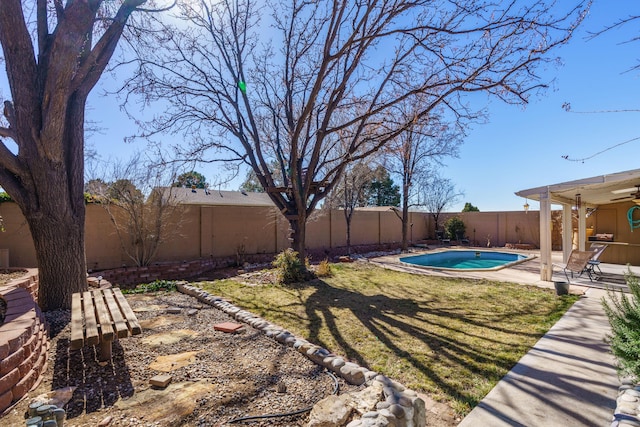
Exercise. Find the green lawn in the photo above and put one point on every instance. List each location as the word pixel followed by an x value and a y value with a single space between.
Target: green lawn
pixel 452 339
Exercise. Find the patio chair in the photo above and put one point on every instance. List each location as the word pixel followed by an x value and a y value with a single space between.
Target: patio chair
pixel 594 263
pixel 577 264
pixel 462 240
pixel 442 238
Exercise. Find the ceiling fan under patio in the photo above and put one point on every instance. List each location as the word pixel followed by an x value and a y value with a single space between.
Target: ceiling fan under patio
pixel 635 195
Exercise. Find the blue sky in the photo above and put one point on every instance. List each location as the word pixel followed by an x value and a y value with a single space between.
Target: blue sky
pixel 519 147
pixel 522 148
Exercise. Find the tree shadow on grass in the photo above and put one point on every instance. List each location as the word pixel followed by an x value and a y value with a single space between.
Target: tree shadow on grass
pixel 382 316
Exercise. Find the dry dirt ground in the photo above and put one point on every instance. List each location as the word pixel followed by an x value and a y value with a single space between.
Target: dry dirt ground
pixel 217 378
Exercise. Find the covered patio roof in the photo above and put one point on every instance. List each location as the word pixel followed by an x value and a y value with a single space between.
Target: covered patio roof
pixel 594 191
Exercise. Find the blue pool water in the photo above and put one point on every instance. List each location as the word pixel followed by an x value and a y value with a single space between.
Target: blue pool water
pixel 465 260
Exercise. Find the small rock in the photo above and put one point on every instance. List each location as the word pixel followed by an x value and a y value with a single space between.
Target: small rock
pixel 625 408
pixel 370 414
pixel 382 405
pixel 397 410
pixel 290 341
pixel 337 363
pixel 332 410
pixel 161 380
pixel 105 421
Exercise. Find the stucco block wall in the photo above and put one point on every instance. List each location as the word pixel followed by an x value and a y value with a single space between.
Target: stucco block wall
pixel 17 236
pixel 501 227
pixel 183 236
pixel 197 232
pixel 101 240
pixel 230 230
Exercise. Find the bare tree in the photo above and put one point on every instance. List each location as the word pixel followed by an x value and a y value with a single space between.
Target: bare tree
pixel 312 88
pixel 54 52
pixel 423 144
pixel 436 194
pixel 142 205
pixel 351 193
pixel 252 183
pixel 629 20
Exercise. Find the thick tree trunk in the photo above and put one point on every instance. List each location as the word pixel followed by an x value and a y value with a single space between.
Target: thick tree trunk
pixel 298 234
pixel 44 116
pixel 55 212
pixel 59 244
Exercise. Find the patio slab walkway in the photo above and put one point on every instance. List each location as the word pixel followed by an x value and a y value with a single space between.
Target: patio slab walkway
pixel 568 378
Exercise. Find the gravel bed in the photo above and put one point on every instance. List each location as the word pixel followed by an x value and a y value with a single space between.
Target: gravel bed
pixel 8 275
pixel 231 375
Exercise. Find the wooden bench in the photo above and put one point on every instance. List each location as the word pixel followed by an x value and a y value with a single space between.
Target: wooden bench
pixel 100 316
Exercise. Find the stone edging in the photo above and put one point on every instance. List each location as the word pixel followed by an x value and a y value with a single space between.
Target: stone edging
pixel 396 406
pixel 627 411
pixel 24 341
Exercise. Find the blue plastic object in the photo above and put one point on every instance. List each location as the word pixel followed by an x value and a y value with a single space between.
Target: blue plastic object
pixel 633 223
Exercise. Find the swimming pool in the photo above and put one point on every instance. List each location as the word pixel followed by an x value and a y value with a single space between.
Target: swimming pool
pixel 465 260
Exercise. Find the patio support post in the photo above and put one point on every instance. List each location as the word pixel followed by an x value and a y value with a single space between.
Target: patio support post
pixel 567 232
pixel 582 226
pixel 546 268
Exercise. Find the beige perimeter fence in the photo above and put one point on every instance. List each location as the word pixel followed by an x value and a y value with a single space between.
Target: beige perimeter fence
pixel 197 231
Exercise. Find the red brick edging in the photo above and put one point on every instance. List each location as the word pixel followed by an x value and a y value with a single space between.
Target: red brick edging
pixel 129 277
pixel 24 340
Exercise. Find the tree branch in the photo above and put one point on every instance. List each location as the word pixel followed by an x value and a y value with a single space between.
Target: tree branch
pixel 96 61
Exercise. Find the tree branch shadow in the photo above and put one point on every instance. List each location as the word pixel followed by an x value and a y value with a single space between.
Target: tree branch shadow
pixel 382 315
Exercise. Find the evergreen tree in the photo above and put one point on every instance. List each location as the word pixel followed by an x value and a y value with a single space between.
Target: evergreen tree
pixel 382 190
pixel 468 207
pixel 191 179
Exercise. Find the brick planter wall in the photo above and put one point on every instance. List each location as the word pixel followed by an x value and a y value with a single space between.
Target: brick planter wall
pixel 127 277
pixel 24 340
pixel 28 282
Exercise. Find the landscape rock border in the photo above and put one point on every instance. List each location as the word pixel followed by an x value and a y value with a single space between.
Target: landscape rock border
pixel 396 406
pixel 627 412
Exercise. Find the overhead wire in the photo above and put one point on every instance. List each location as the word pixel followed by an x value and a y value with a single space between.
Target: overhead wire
pixel 566 157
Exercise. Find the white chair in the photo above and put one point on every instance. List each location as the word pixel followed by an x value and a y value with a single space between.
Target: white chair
pixel 594 263
pixel 577 264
